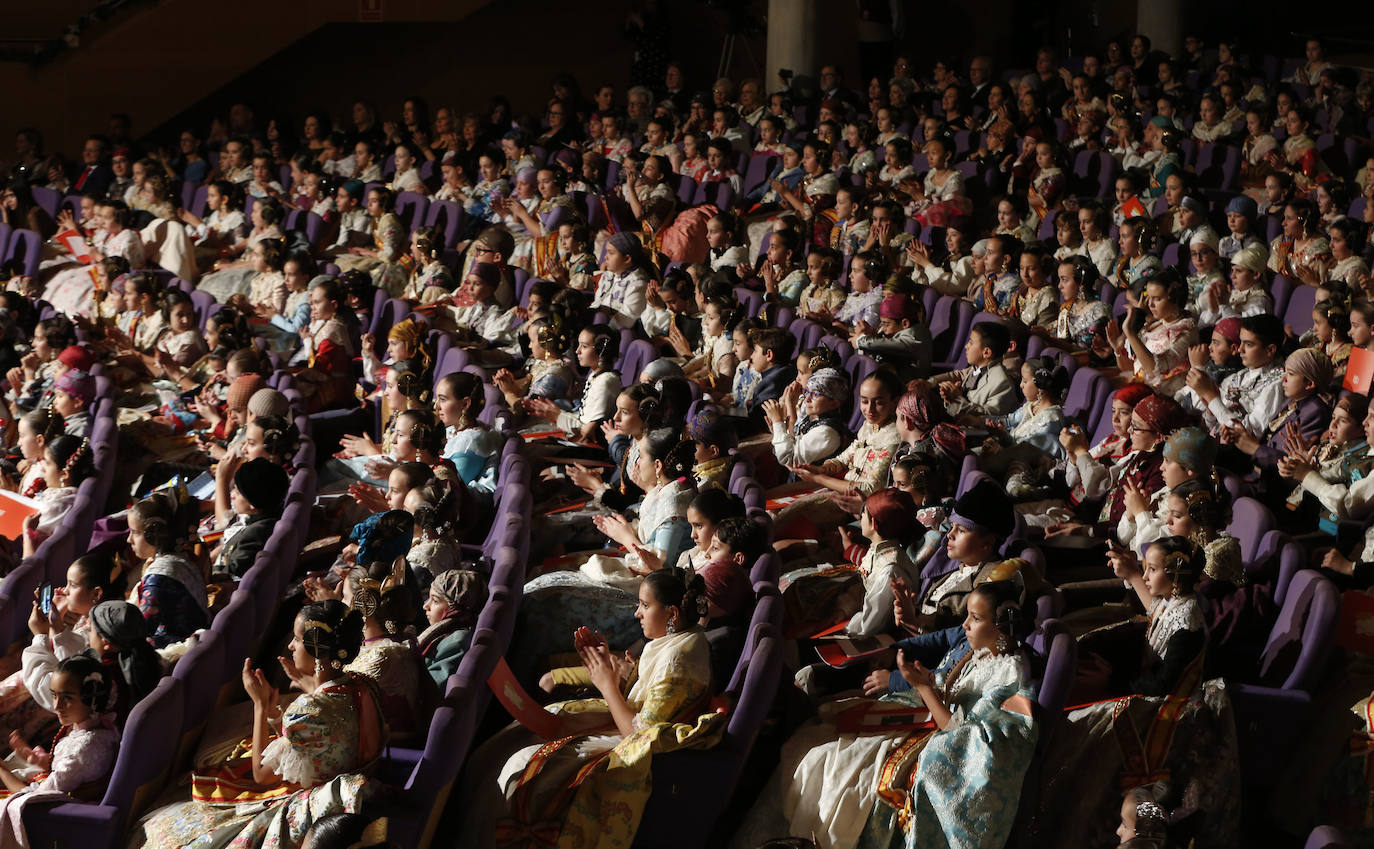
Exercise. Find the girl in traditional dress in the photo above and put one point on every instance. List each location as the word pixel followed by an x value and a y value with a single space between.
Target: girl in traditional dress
pixel 328 348
pixel 548 374
pixel 235 277
pixel 83 695
pixel 915 786
pixel 386 260
pixel 1158 352
pixel 66 463
pixel 451 609
pixel 1300 251
pixel 171 589
pixel 597 350
pixel 471 446
pixel 516 782
pixel 299 766
pixel 69 291
pixel 1082 316
pixel 857 471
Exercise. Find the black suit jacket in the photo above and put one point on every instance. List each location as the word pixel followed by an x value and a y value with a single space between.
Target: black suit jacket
pixel 97 181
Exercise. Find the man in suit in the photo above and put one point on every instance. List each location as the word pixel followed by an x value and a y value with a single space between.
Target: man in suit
pixel 832 88
pixel 93 177
pixel 979 78
pixel 984 389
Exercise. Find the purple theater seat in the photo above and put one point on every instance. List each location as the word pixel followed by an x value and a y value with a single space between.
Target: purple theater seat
pixel 1250 521
pixel 49 200
pixel 427 789
pixel 1326 837
pixel 412 208
pixel 26 246
pixel 703 781
pixel 201 672
pixel 145 756
pixel 1271 714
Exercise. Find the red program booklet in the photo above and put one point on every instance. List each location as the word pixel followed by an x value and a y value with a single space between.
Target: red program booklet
pixel 76 245
pixel 14 509
pixel 520 704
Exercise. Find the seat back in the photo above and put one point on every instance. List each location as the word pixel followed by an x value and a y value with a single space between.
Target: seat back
pixel 1060 667
pixel 1250 521
pixel 430 782
pixel 1298 313
pixel 201 672
pixel 27 247
pixel 1301 640
pixel 1082 392
pixel 150 740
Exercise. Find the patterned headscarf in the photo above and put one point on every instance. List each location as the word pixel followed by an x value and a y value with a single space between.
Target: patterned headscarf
pixel 924 409
pixel 829 383
pixel 383 536
pixel 1313 365
pixel 412 336
pixel 463 591
pixel 1192 448
pixel 1163 415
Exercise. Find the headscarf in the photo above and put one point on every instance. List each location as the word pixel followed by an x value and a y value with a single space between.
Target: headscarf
pixel 526 175
pixel 1243 205
pixel 268 402
pixel 77 384
pixel 487 272
pixel 893 514
pixel 924 409
pixel 1251 259
pixel 829 383
pixel 1311 364
pixel 1132 394
pixel 1228 329
pixel 898 308
pixel 383 536
pixel 1163 415
pixel 1192 448
pixel 465 593
pixel 412 335
pixel 1205 237
pixel 1195 203
pixel 122 625
pixel 354 188
pixel 628 244
pixel 661 368
pixel 709 427
pixel 263 483
pixel 242 390
pixel 76 358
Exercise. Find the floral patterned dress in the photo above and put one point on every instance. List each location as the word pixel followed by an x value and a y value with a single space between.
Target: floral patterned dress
pixel 1079 321
pixel 919 788
pixel 590 787
pixel 390 267
pixel 326 739
pixel 1168 342
pixel 173 600
pixel 863 464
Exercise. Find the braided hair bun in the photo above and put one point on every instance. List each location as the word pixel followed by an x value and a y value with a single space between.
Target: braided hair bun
pixel 332 633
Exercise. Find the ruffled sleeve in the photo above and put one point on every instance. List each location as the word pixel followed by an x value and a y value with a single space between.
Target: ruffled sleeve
pixel 308 751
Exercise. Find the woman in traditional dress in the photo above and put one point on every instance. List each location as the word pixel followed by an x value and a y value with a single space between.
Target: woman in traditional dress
pixel 589 785
pixel 298 766
pixel 951 777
